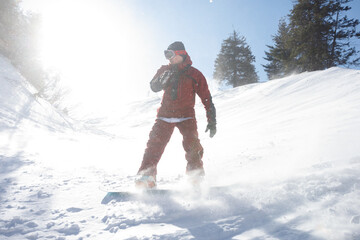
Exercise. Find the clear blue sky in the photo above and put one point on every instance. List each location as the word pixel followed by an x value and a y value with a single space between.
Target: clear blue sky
pixel 203 25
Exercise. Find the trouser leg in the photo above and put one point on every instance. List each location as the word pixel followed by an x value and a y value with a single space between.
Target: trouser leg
pixel 158 139
pixel 193 149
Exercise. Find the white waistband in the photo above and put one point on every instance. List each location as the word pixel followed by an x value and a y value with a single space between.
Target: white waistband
pixel 174 120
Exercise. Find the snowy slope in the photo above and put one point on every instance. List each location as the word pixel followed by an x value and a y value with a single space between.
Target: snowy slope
pixel 19 104
pixel 285 163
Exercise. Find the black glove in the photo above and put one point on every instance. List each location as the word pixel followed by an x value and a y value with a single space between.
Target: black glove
pixel 159 82
pixel 212 128
pixel 165 76
pixel 211 116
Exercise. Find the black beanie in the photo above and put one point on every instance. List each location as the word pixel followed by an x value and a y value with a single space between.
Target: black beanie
pixel 176 46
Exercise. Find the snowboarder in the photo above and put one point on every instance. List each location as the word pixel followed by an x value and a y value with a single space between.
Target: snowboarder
pixel 180 82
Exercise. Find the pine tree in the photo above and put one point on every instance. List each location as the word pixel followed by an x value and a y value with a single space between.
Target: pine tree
pixel 10 22
pixel 309 29
pixel 234 63
pixel 318 37
pixel 341 31
pixel 278 55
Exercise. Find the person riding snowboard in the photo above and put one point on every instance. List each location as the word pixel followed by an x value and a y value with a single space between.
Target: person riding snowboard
pixel 180 82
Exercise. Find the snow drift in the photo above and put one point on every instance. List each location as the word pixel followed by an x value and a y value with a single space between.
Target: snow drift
pixel 285 164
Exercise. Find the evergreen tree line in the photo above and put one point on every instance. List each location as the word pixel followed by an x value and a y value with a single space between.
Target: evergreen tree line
pixel 19 33
pixel 316 35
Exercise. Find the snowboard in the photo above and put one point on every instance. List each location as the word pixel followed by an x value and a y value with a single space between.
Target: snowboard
pixel 123 196
pixel 124 190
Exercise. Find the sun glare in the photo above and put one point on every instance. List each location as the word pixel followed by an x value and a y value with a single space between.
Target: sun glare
pixel 92 44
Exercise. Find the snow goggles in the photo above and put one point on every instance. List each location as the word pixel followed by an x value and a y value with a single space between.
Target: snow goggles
pixel 170 54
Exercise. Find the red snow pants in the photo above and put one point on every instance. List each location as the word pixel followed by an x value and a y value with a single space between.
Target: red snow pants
pixel 160 136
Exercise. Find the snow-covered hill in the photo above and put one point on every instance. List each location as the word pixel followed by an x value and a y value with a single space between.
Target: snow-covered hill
pixel 285 163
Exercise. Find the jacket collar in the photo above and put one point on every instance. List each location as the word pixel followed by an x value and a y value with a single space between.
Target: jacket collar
pixel 185 64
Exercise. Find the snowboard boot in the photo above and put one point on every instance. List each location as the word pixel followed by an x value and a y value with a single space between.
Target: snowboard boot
pixel 195 177
pixel 145 182
pixel 195 181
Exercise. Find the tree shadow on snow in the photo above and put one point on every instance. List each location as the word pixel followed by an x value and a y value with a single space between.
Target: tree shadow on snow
pixel 12 118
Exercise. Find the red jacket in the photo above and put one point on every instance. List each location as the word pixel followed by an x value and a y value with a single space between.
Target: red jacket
pixel 190 82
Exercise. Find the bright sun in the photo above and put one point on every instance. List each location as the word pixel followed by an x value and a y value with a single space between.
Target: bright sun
pixel 92 44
